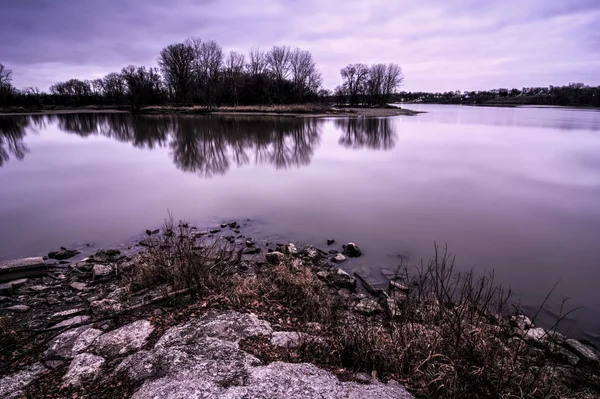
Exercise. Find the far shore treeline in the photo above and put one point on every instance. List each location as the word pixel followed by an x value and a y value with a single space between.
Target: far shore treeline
pixel 198 72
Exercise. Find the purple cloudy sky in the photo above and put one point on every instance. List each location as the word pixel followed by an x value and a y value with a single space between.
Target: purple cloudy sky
pixel 441 44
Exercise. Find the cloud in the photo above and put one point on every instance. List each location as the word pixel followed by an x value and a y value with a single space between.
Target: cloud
pixel 441 45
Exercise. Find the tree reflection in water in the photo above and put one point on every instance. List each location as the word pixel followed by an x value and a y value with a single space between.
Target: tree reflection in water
pixel 210 144
pixel 372 133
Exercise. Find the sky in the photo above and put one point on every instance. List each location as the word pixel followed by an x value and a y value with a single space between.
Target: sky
pixel 441 45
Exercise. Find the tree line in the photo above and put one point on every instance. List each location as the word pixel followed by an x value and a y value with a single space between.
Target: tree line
pixel 192 72
pixel 573 94
pixel 364 85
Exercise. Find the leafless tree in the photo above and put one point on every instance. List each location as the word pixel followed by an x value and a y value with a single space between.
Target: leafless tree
pixel 304 73
pixel 257 64
pixel 234 68
pixel 176 63
pixel 278 62
pixel 392 80
pixel 355 78
pixel 5 77
pixel 375 84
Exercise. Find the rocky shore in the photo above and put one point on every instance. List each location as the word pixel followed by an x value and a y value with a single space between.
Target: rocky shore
pixel 265 320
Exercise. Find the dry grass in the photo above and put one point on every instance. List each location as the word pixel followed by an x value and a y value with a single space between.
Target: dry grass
pixel 279 109
pixel 182 258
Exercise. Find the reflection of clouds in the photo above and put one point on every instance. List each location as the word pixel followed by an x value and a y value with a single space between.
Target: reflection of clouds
pixel 206 145
pixel 371 133
pixel 12 132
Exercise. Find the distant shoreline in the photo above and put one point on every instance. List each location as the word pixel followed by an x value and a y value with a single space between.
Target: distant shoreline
pixel 312 111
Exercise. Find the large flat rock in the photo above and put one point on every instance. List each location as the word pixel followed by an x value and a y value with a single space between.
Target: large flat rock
pixel 20 268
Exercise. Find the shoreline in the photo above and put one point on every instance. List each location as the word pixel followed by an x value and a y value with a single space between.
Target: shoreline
pixel 288 111
pixel 286 306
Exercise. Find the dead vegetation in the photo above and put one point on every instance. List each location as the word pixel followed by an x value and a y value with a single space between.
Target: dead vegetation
pixel 442 334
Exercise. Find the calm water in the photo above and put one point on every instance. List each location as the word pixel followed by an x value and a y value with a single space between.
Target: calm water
pixel 511 189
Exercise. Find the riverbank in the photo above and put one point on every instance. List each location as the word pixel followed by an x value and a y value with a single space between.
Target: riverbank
pixel 297 110
pixel 159 319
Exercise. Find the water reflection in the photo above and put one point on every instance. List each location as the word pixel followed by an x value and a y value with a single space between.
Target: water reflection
pixel 371 133
pixel 206 145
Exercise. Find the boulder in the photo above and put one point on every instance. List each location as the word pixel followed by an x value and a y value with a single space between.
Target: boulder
pixel 521 321
pixel 341 279
pixel 11 386
pixel 84 366
pixel 352 250
pixel 289 339
pixel 367 307
pixel 123 340
pixel 339 258
pixel 288 249
pixel 72 342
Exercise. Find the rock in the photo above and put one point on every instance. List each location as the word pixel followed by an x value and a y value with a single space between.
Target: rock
pixel 214 231
pixel 228 326
pixel 275 257
pixel 333 252
pixel 352 250
pixel 119 294
pixel 392 307
pixel 368 307
pixel 149 242
pixel 521 321
pixel 585 352
pixel 106 306
pixel 100 270
pixel 233 225
pixel 330 242
pixel 339 258
pixel 68 312
pixel 535 333
pixel 290 339
pixel 564 354
pixel 342 279
pixel 12 385
pixel 223 225
pixel 18 308
pixel 72 342
pixel 251 251
pixel 344 293
pixel 71 322
pixel 249 242
pixel 63 254
pixel 78 286
pixel 20 268
pixel 363 378
pixel 312 253
pixel 83 367
pixel 388 274
pixel 122 340
pixel 396 286
pixel 288 249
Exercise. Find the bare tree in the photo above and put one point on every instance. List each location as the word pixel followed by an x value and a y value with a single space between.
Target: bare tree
pixel 5 78
pixel 210 61
pixel 278 62
pixel 234 68
pixel 304 74
pixel 375 84
pixel 392 80
pixel 176 63
pixel 257 64
pixel 355 78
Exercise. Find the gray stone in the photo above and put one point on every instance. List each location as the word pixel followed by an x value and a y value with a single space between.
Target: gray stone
pixel 288 249
pixel 522 322
pixel 290 339
pixel 313 253
pixel 339 258
pixel 101 270
pixel 106 306
pixel 18 308
pixel 71 322
pixel 368 307
pixel 228 326
pixel 352 250
pixel 215 231
pixel 63 254
pixel 12 385
pixel 251 251
pixel 342 279
pixel 20 268
pixel 78 286
pixel 84 366
pixel 392 307
pixel 564 354
pixel 275 257
pixel 536 333
pixel 72 342
pixel 585 352
pixel 119 293
pixel 68 312
pixel 394 285
pixel 7 288
pixel 123 340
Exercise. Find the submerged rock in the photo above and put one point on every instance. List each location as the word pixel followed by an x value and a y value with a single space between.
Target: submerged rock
pixel 63 254
pixel 352 250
